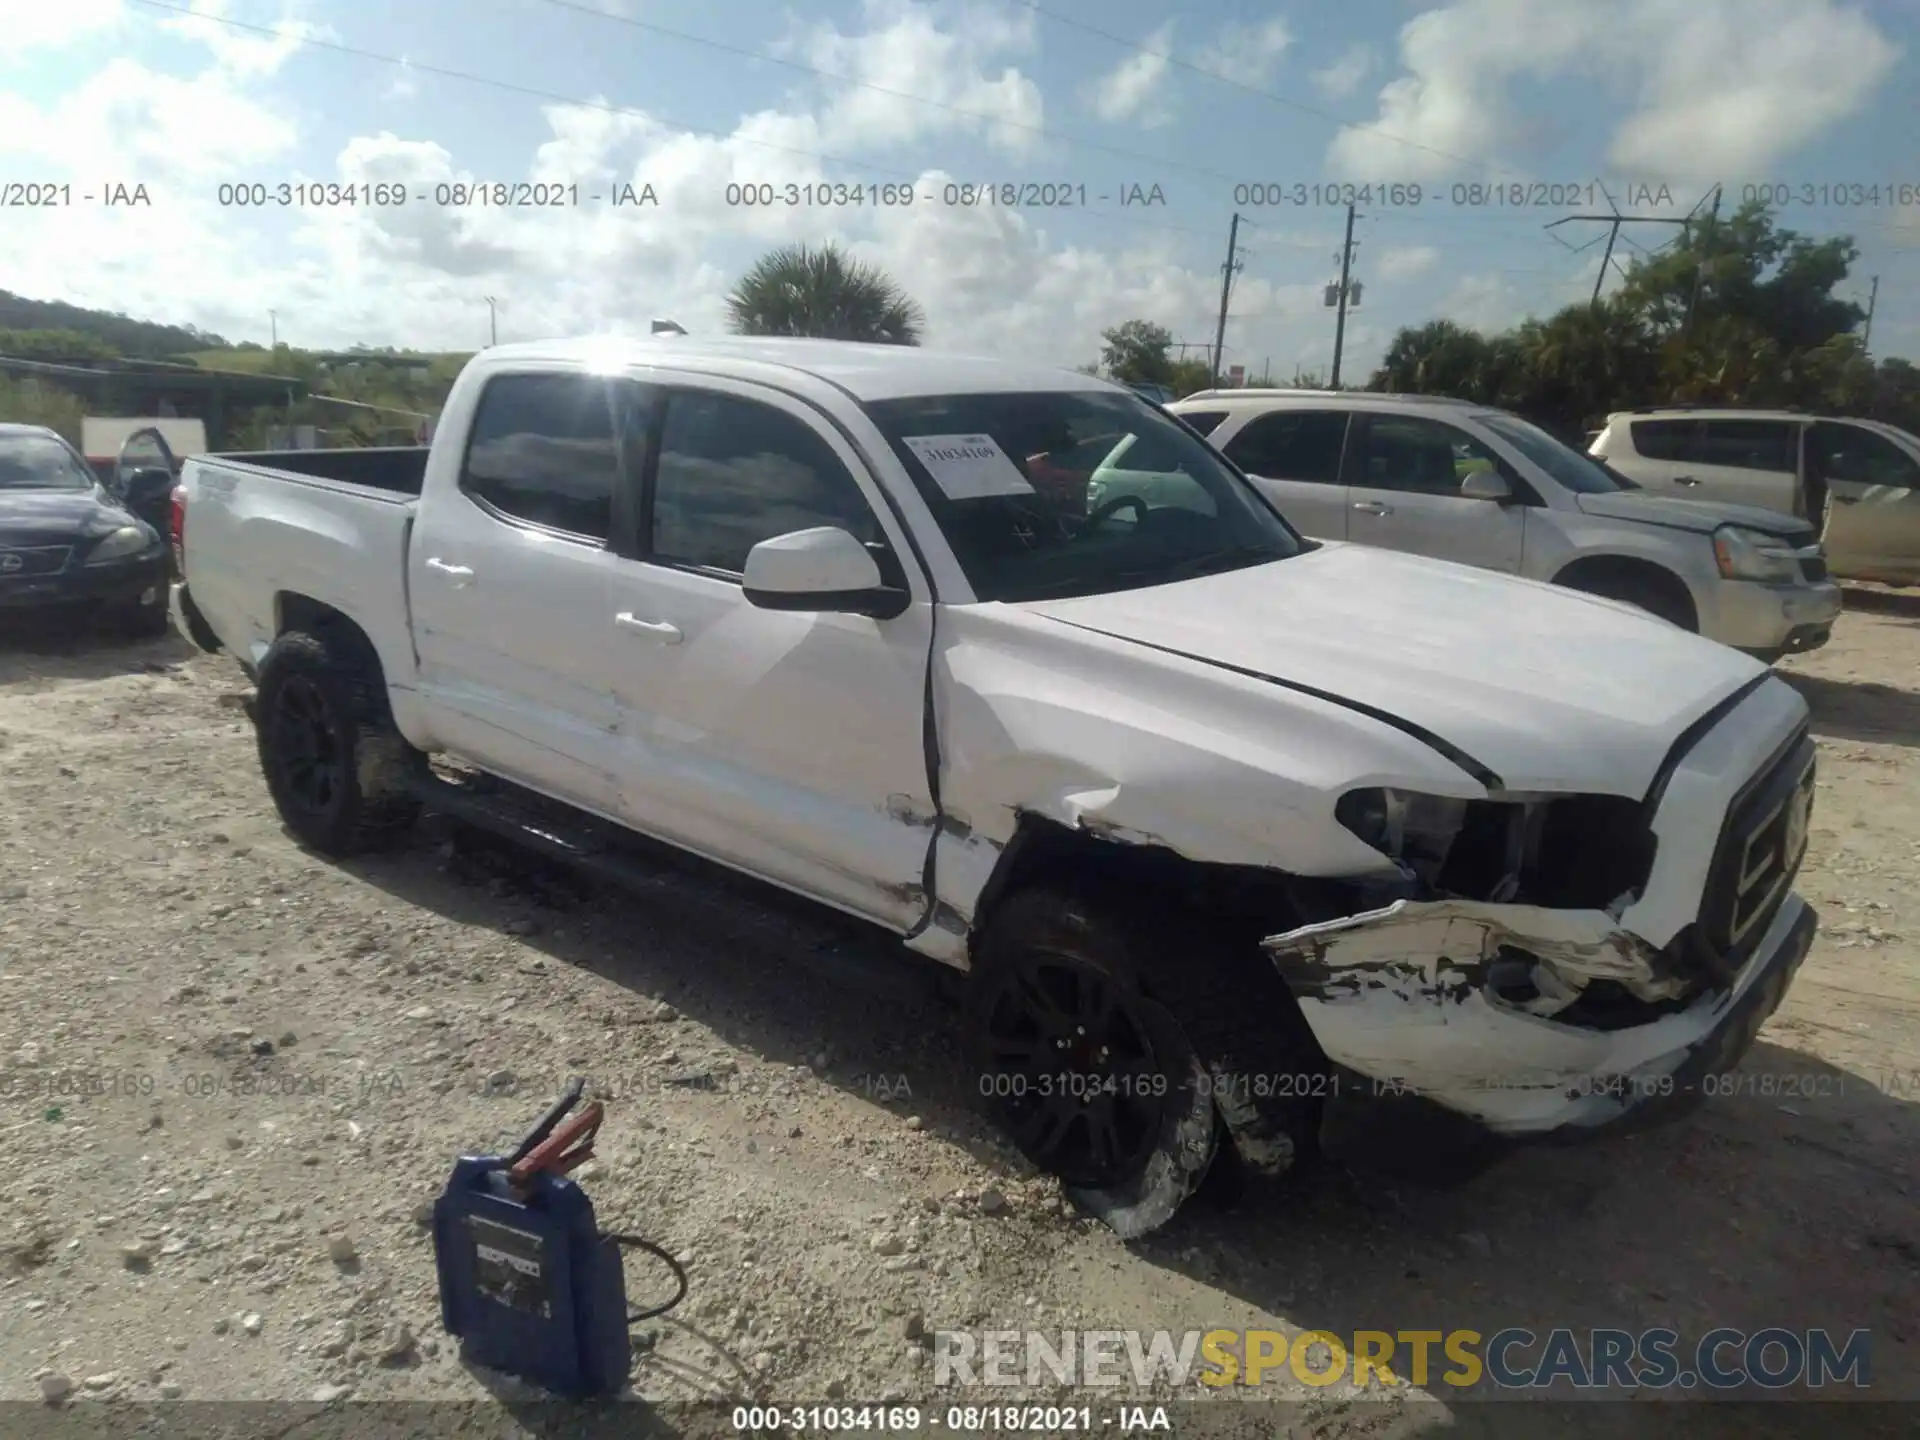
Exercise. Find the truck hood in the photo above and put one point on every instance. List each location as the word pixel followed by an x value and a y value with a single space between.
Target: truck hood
pixel 1702 517
pixel 1545 688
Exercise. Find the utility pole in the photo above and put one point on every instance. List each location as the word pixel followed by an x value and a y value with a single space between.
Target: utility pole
pixel 1614 219
pixel 273 321
pixel 493 321
pixel 1226 289
pixel 1340 320
pixel 1866 339
pixel 1613 234
pixel 1700 264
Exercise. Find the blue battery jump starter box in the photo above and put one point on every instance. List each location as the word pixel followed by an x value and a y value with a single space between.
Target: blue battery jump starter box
pixel 528 1282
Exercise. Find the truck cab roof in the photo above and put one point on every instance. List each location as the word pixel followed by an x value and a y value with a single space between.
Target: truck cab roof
pixel 866 372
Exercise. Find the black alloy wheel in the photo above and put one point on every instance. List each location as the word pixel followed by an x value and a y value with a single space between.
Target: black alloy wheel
pixel 1072 1070
pixel 308 746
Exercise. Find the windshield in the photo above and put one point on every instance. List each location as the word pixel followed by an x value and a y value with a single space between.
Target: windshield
pixel 30 461
pixel 1579 473
pixel 1046 494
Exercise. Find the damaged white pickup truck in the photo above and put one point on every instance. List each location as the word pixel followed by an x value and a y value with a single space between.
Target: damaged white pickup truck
pixel 1234 833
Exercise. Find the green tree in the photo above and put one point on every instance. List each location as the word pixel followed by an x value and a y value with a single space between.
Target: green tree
pixel 824 293
pixel 1187 376
pixel 1135 353
pixel 28 401
pixel 1746 268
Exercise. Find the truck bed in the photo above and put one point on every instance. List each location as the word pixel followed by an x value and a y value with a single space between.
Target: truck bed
pixel 399 470
pixel 276 529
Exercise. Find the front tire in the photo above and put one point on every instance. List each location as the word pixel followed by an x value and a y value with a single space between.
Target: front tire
pixel 1111 1041
pixel 338 770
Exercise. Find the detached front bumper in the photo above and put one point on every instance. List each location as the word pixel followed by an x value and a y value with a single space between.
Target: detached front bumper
pixel 1428 1059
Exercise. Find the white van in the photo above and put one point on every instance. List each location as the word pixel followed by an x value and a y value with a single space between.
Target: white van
pixel 1858 481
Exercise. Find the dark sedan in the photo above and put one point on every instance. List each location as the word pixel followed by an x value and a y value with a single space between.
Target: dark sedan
pixel 66 546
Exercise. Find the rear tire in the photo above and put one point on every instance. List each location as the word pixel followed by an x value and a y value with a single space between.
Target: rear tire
pixel 1088 1010
pixel 338 770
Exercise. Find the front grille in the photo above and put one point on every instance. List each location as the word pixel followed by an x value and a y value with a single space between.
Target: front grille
pixel 1761 847
pixel 32 561
pixel 1814 567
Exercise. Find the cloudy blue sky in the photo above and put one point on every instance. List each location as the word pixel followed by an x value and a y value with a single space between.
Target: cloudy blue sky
pixel 1651 101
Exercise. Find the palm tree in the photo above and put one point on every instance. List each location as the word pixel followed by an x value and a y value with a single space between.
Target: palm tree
pixel 826 294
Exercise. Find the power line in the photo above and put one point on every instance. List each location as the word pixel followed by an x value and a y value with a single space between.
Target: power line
pixel 605 106
pixel 726 49
pixel 1277 99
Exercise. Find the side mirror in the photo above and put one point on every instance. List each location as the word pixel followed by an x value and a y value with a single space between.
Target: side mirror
pixel 148 493
pixel 1487 485
pixel 822 569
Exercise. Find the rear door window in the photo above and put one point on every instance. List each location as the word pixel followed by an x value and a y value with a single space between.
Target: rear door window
pixel 1292 445
pixel 1666 439
pixel 543 452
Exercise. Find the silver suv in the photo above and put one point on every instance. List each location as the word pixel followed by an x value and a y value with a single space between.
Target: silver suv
pixel 1468 483
pixel 1857 481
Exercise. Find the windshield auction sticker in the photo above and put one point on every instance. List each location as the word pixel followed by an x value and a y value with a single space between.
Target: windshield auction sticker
pixel 968 467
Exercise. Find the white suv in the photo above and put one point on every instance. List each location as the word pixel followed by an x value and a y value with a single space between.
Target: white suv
pixel 1857 481
pixel 1468 483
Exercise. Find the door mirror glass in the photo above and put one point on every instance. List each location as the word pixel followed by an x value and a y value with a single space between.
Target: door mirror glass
pixel 821 569
pixel 147 485
pixel 1486 485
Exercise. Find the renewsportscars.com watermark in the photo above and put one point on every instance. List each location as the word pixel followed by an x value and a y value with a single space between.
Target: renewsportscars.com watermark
pixel 1511 1359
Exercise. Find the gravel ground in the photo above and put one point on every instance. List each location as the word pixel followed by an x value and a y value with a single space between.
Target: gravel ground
pixel 235 1073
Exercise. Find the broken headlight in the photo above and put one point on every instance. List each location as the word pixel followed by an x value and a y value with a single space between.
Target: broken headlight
pixel 1404 825
pixel 1564 851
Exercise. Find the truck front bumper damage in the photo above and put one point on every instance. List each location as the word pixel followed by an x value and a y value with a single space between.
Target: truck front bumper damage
pixel 1456 1026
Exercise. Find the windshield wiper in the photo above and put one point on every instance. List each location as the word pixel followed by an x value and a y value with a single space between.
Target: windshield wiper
pixel 1233 557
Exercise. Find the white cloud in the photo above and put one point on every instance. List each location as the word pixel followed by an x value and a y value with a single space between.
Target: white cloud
pixel 1246 53
pixel 907 52
pixel 404 86
pixel 1405 262
pixel 1346 74
pixel 53 24
pixel 1135 88
pixel 243 52
pixel 1739 85
pixel 131 124
pixel 1712 86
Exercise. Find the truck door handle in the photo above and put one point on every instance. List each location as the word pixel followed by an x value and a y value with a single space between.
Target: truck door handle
pixel 1686 480
pixel 659 629
pixel 1372 507
pixel 1846 499
pixel 461 575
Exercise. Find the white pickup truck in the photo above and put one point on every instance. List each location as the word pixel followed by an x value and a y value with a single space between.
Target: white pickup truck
pixel 1244 842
